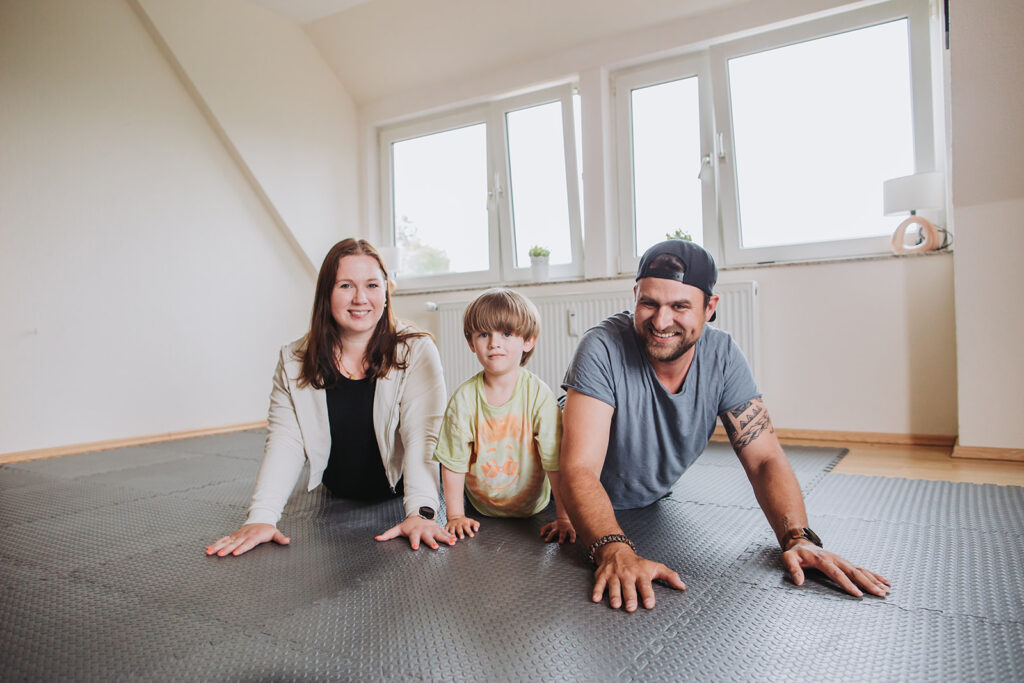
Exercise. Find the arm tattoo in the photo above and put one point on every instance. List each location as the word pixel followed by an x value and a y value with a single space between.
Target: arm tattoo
pixel 746 422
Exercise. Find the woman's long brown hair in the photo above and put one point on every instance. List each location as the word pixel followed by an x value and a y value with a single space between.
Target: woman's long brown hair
pixel 319 353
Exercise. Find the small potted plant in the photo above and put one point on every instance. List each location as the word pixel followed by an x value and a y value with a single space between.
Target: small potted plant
pixel 539 262
pixel 679 234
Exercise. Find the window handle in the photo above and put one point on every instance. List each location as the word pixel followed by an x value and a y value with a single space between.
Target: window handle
pixel 497 188
pixel 705 162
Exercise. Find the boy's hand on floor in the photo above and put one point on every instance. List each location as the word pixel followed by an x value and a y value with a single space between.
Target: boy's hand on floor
pixel 560 530
pixel 462 526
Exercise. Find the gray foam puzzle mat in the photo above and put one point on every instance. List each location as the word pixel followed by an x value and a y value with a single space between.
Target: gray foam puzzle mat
pixel 982 507
pixel 104 578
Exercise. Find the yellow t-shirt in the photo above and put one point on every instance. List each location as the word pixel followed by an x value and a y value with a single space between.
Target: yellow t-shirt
pixel 503 450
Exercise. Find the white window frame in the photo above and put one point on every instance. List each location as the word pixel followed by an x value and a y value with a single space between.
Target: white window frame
pixel 623 85
pixel 415 129
pixel 916 13
pixel 501 255
pixel 721 226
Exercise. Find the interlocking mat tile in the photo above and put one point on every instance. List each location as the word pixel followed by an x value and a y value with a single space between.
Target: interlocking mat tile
pixel 103 577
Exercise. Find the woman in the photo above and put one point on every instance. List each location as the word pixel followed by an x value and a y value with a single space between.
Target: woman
pixel 361 398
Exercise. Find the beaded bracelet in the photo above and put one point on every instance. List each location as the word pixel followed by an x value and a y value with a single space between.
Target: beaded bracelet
pixel 605 540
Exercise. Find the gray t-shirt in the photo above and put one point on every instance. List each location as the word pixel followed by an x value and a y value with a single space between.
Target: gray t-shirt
pixel 655 435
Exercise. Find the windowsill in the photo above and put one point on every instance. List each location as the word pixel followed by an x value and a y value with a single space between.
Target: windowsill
pixel 622 276
pixel 517 285
pixel 837 259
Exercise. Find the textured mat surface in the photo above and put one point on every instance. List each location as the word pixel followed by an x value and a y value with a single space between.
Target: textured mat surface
pixel 103 577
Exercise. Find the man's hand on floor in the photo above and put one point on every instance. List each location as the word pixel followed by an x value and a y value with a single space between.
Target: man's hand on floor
pixel 625 576
pixel 805 555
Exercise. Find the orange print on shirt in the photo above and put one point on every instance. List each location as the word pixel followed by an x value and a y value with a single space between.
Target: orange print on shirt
pixel 502 476
pixel 494 430
pixel 495 435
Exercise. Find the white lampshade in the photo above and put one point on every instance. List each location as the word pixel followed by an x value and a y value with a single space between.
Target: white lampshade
pixel 914 193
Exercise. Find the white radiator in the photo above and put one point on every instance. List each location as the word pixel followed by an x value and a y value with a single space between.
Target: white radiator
pixel 565 318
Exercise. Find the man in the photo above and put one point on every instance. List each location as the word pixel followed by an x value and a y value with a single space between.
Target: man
pixel 643 394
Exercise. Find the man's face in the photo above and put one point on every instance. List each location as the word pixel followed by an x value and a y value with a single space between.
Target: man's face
pixel 669 317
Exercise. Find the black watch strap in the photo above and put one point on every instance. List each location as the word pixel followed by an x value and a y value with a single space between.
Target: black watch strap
pixel 426 512
pixel 801 532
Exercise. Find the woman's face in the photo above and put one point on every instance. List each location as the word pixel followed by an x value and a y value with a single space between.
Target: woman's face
pixel 359 295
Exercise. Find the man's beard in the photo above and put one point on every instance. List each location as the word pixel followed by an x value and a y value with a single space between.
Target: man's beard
pixel 665 353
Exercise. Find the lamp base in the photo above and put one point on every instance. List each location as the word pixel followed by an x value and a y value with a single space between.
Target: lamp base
pixel 930 237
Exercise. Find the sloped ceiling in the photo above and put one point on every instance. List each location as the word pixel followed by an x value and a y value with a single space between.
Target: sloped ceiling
pixel 304 11
pixel 384 47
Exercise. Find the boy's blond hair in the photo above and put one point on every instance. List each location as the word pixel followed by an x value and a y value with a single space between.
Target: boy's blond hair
pixel 504 310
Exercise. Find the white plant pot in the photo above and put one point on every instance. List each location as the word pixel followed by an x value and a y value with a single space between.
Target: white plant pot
pixel 539 268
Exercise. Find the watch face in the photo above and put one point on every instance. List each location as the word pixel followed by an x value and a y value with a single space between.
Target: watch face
pixel 426 512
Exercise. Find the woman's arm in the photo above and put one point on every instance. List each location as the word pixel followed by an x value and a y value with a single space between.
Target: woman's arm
pixel 283 458
pixel 421 408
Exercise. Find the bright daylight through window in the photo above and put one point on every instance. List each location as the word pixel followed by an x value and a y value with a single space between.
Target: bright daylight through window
pixel 540 205
pixel 768 148
pixel 809 121
pixel 817 127
pixel 440 199
pixel 666 162
pixel 472 193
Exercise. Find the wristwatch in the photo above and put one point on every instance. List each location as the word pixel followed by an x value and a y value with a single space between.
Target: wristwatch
pixel 426 512
pixel 801 532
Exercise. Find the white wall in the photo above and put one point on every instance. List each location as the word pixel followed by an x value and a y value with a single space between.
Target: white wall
pixel 987 100
pixel 144 286
pixel 279 106
pixel 149 219
pixel 847 346
pixel 863 346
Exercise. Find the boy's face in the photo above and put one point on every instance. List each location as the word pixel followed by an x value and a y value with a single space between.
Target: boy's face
pixel 499 352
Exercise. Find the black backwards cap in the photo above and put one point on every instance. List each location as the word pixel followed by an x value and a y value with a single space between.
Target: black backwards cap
pixel 692 265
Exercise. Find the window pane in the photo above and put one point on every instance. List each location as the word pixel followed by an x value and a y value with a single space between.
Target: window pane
pixel 540 205
pixel 666 161
pixel 817 127
pixel 440 202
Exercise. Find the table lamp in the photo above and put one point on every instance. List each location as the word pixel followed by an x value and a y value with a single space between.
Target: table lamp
pixel 910 194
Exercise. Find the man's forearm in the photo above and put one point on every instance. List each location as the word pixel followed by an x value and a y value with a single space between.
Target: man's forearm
pixel 588 505
pixel 778 493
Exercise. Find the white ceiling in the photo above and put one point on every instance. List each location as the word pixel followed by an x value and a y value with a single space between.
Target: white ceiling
pixel 379 48
pixel 304 11
pixel 385 47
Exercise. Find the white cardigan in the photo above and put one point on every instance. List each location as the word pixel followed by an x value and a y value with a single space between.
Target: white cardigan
pixel 407 409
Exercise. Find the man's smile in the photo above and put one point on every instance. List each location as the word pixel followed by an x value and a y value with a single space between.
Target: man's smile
pixel 663 335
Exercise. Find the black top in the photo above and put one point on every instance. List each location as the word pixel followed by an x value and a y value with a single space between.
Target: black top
pixel 355 469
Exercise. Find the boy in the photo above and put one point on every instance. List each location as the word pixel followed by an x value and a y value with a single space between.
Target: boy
pixel 502 428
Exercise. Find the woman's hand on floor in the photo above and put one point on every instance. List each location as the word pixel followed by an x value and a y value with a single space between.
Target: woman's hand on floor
pixel 417 529
pixel 245 539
